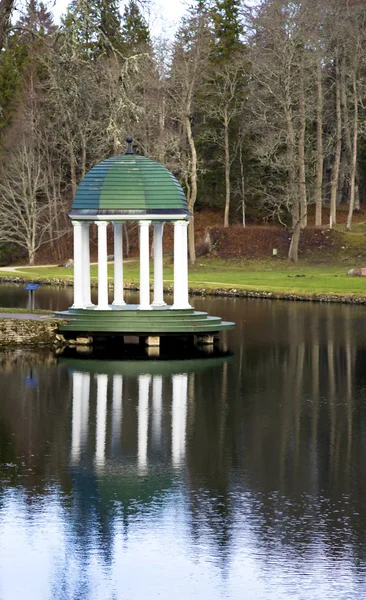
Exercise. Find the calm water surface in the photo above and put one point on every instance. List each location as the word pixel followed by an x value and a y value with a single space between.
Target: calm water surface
pixel 224 477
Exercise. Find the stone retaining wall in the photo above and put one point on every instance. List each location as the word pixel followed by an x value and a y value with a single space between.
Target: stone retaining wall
pixel 16 332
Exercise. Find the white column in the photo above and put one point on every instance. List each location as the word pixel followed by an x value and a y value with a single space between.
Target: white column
pixel 144 266
pixel 117 412
pixel 118 265
pixel 102 266
pixel 102 388
pixel 157 398
pixel 180 266
pixel 78 266
pixel 86 263
pixel 179 418
pixel 143 422
pixel 158 265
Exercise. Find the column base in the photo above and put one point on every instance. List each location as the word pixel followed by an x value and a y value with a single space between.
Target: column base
pixel 114 303
pixel 153 351
pixel 142 307
pixel 180 307
pixel 204 340
pixel 78 306
pixel 152 340
pixel 103 307
pixel 159 304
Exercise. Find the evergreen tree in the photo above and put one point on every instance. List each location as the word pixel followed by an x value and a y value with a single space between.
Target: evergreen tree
pixel 227 28
pixel 12 61
pixel 37 19
pixel 94 25
pixel 135 32
pixel 21 56
pixel 110 25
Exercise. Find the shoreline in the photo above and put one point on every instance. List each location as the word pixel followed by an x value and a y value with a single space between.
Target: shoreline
pixel 215 292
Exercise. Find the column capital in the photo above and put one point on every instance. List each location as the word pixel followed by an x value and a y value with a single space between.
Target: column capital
pixel 144 223
pixel 181 223
pixel 77 223
pixel 100 223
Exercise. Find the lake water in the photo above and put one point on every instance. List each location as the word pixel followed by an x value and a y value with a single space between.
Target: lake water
pixel 239 476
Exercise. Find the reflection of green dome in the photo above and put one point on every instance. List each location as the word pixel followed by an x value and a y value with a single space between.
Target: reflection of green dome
pixel 129 184
pixel 132 368
pixel 130 487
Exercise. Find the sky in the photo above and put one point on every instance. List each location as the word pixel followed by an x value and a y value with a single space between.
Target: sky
pixel 164 14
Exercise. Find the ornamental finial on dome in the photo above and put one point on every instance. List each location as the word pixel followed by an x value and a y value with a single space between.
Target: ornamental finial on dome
pixel 129 141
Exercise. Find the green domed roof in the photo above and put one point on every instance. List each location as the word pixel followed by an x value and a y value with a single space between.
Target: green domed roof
pixel 129 185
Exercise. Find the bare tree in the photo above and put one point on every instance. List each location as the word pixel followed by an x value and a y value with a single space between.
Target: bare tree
pixel 280 84
pixel 338 145
pixel 24 212
pixel 191 55
pixel 225 98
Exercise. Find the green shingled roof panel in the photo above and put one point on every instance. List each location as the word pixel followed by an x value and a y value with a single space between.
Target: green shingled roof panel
pixel 129 183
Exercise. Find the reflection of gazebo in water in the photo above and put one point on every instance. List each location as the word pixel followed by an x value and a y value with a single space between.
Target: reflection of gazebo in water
pixel 128 442
pixel 131 448
pixel 133 188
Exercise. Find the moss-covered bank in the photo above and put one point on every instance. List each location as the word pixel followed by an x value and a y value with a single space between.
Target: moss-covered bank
pixel 29 333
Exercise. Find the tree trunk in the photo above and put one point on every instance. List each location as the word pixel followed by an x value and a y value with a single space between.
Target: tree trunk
pixel 293 253
pixel 83 157
pixel 357 194
pixel 354 154
pixel 193 189
pixel 337 158
pixel 302 177
pixel 227 169
pixel 31 256
pixel 242 180
pixel 72 169
pixel 6 6
pixel 292 192
pixel 346 125
pixel 319 147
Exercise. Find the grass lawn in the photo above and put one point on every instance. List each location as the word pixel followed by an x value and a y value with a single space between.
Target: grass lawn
pixel 37 311
pixel 272 276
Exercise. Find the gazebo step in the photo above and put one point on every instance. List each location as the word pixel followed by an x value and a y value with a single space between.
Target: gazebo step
pixel 135 316
pixel 141 322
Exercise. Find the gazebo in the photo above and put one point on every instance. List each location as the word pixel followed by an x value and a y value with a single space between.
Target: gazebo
pixel 126 188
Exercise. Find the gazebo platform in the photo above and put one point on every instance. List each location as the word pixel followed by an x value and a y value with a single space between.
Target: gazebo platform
pixel 148 325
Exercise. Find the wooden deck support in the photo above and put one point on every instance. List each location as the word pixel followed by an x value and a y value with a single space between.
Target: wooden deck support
pixel 204 340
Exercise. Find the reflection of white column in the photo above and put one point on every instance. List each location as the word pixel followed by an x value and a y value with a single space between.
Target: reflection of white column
pixel 102 388
pixel 85 409
pixel 143 421
pixel 77 397
pixel 117 411
pixel 144 266
pixel 118 265
pixel 180 265
pixel 158 265
pixel 179 418
pixel 86 264
pixel 78 266
pixel 102 266
pixel 157 399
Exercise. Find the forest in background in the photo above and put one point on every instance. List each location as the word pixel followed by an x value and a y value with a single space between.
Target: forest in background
pixel 259 111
